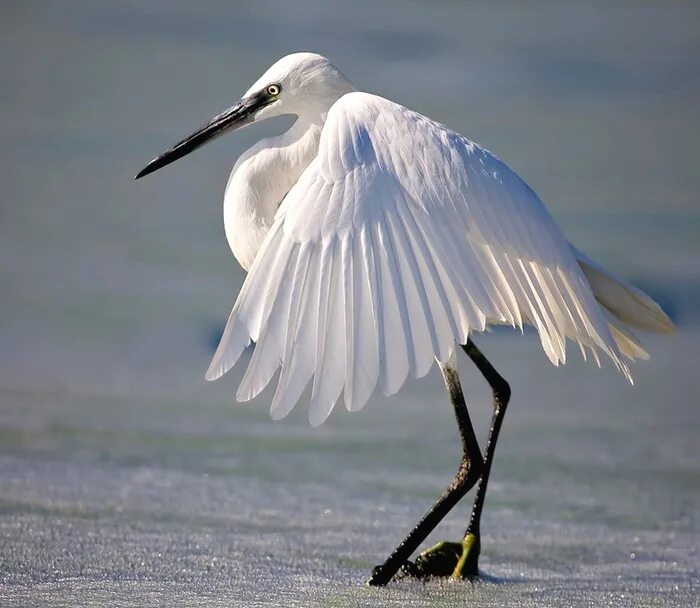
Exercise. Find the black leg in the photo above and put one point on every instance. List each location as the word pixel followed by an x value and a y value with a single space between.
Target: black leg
pixel 501 396
pixel 469 471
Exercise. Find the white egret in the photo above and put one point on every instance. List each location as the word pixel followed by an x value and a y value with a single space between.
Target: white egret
pixel 376 240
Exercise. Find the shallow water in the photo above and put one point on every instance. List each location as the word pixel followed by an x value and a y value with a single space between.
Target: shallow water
pixel 127 480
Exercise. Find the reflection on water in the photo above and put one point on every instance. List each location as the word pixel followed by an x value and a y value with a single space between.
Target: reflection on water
pixel 123 474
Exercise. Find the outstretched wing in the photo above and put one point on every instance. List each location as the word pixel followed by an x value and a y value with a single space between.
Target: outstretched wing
pixel 399 239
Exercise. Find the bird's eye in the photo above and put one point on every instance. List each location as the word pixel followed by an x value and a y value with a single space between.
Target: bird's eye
pixel 273 89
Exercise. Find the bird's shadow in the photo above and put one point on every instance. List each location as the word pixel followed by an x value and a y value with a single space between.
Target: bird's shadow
pixel 484 578
pixel 493 579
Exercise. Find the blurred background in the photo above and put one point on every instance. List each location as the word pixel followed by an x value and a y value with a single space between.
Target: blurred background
pixel 125 479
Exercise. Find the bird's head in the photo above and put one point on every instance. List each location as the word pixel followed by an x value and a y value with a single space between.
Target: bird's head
pixel 302 84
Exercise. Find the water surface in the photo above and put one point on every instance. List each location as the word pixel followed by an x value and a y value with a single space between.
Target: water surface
pixel 127 480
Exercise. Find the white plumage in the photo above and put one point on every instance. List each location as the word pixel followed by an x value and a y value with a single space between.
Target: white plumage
pixel 394 240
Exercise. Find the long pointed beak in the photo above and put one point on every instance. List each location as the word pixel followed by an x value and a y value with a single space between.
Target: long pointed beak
pixel 243 113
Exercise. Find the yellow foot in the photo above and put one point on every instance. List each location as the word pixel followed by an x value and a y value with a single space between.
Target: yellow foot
pixel 447 559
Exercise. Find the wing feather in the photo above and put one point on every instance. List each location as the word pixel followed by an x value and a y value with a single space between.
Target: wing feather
pixel 329 375
pixel 365 353
pixel 297 366
pixel 272 337
pixel 416 301
pixel 243 323
pixel 400 290
pixel 393 348
pixel 444 327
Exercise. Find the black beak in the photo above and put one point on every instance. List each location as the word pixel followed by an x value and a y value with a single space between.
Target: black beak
pixel 243 113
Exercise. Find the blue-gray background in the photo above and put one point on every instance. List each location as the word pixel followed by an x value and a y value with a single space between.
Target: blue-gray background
pixel 125 479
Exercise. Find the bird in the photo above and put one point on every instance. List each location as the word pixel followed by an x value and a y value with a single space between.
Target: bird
pixel 376 242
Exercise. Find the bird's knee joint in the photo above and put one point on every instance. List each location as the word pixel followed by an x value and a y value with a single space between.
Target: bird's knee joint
pixel 476 468
pixel 470 470
pixel 501 394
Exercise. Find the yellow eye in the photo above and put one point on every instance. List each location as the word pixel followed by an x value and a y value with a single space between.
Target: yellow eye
pixel 273 89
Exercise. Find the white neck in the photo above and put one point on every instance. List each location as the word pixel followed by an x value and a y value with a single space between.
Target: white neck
pixel 261 178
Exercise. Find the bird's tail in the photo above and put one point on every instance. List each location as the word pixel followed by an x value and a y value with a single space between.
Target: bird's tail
pixel 626 307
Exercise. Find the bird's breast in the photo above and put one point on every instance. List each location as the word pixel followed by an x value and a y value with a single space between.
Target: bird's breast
pixel 260 180
pixel 250 204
